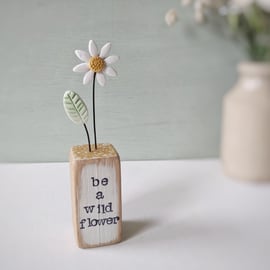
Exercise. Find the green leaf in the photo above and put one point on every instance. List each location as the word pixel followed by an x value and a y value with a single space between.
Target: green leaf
pixel 75 107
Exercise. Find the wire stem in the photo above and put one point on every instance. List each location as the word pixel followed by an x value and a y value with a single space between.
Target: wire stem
pixel 88 138
pixel 94 111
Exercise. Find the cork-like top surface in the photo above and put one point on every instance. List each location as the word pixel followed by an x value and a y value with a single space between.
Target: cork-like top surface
pixel 103 150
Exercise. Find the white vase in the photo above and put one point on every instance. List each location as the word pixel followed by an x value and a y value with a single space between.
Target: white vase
pixel 245 146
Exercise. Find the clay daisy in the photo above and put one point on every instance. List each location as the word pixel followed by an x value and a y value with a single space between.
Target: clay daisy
pixel 96 64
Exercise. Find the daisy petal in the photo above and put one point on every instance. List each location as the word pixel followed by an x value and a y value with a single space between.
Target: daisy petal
pixel 104 52
pixel 82 55
pixel 81 68
pixel 101 79
pixel 110 71
pixel 93 48
pixel 111 59
pixel 88 77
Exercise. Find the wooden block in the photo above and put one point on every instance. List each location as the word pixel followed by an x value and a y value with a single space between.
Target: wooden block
pixel 96 195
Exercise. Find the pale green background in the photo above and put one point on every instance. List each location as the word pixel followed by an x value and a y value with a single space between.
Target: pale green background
pixel 165 103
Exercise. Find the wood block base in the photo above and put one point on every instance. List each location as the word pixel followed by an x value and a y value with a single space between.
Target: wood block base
pixel 96 195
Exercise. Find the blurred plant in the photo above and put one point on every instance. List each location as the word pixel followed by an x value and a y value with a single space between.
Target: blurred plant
pixel 171 17
pixel 249 19
pixel 253 23
pixel 202 7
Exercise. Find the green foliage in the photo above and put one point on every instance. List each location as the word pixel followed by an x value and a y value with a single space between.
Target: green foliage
pixel 254 25
pixel 75 107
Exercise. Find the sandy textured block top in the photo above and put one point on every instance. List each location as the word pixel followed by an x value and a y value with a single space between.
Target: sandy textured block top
pixel 103 150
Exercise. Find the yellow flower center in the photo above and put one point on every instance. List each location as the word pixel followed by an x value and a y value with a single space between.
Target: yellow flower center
pixel 96 64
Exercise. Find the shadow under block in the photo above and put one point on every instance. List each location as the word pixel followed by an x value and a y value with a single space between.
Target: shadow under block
pixel 96 195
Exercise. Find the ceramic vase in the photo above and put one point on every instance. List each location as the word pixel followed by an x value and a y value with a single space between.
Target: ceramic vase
pixel 245 143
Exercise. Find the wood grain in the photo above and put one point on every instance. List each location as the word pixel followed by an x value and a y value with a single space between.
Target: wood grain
pixel 97 227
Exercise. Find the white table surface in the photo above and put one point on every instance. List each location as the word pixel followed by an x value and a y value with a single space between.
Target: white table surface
pixel 176 215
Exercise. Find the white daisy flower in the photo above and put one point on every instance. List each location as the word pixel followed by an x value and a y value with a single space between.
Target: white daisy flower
pixel 94 62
